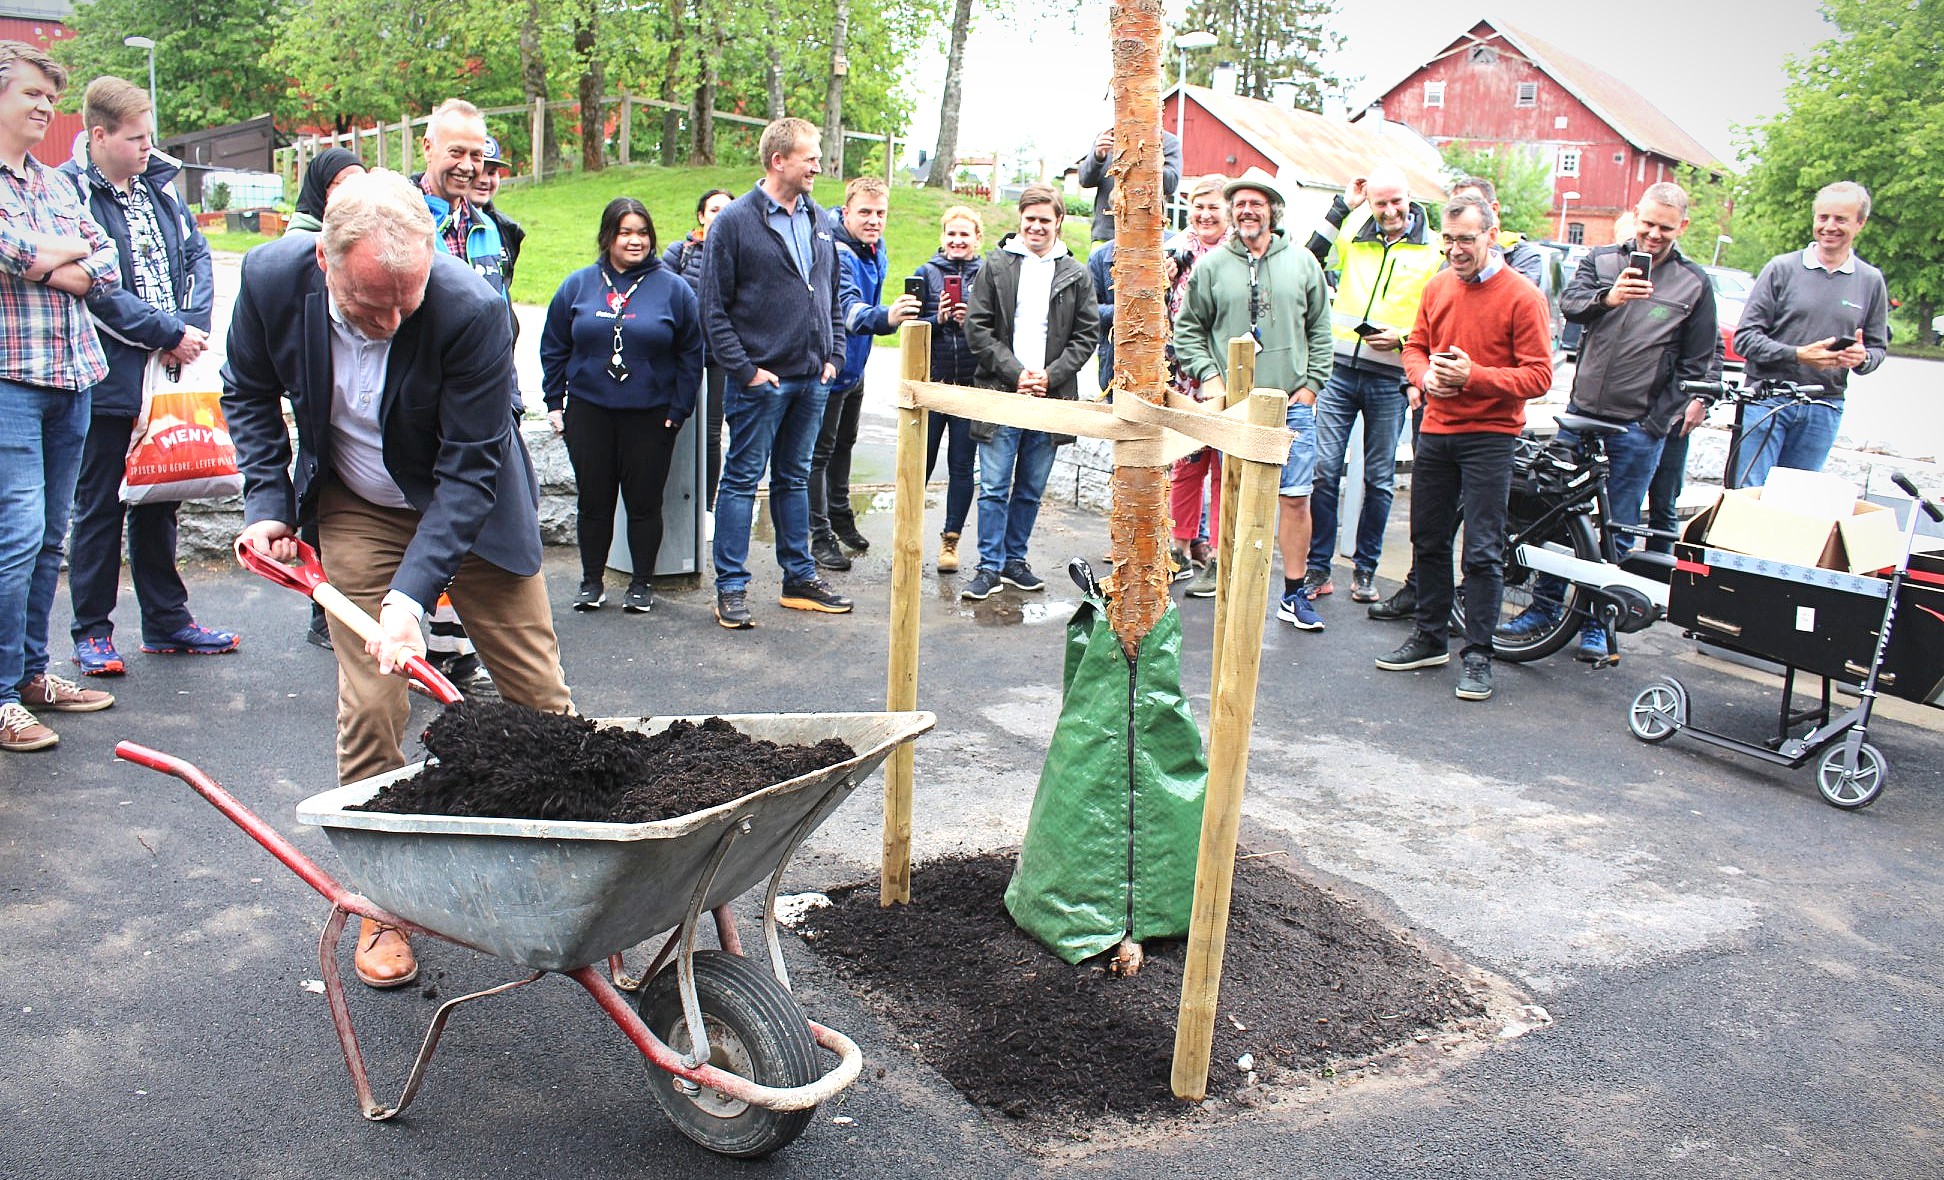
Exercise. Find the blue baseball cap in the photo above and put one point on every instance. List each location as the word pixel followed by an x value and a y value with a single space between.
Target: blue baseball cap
pixel 494 156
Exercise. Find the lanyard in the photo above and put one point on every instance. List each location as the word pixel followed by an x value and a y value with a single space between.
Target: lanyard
pixel 617 302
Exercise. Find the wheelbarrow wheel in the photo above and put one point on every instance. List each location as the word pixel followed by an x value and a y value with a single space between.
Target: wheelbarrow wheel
pixel 1658 712
pixel 1852 789
pixel 756 1030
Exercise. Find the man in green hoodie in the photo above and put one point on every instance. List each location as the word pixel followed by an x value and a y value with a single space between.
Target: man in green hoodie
pixel 1256 284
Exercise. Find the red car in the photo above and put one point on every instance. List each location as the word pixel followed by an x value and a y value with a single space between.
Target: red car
pixel 1731 289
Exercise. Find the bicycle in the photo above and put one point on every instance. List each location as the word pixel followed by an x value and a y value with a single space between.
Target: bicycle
pixel 1559 521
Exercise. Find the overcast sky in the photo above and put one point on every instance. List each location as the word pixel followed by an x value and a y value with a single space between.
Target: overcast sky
pixel 1041 82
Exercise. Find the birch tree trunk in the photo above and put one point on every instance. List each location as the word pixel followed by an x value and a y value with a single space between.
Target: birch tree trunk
pixel 833 129
pixel 946 155
pixel 773 48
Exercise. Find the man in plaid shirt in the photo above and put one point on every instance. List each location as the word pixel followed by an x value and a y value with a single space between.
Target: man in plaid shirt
pixel 51 257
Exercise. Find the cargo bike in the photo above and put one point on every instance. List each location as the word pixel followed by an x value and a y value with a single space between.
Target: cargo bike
pixel 1877 634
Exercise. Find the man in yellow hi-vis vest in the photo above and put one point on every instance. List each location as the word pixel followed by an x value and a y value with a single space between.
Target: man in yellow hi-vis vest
pixel 1383 263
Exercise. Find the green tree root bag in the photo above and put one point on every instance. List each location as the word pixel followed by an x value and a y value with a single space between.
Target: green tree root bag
pixel 1111 843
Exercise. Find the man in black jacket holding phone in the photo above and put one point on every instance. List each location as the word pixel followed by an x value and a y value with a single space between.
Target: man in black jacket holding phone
pixel 1649 313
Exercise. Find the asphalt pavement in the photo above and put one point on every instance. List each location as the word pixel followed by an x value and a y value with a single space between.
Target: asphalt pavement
pixel 1741 981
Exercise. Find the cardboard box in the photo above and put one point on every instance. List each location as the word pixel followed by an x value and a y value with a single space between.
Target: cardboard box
pixel 1865 541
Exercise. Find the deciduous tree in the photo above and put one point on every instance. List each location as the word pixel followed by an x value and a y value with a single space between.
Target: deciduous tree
pixel 1268 41
pixel 210 57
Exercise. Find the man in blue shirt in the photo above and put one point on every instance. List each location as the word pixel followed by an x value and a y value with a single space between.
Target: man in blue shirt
pixel 770 311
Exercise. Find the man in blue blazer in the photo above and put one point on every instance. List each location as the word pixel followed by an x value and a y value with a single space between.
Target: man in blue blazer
pixel 398 361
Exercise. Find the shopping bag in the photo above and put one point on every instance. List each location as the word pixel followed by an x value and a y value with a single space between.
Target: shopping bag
pixel 180 448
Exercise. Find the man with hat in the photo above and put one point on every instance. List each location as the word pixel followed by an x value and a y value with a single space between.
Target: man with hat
pixel 1256 284
pixel 493 169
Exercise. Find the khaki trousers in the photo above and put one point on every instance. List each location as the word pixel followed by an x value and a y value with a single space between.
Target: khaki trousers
pixel 507 616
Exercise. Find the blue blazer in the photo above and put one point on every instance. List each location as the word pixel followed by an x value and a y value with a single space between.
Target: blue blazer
pixel 450 442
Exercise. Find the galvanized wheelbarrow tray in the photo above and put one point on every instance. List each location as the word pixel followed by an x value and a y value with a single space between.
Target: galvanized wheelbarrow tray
pixel 735 1062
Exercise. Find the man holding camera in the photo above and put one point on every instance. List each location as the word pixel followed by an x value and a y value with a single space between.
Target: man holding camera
pixel 859 231
pixel 1838 306
pixel 1649 313
pixel 1480 349
pixel 1258 285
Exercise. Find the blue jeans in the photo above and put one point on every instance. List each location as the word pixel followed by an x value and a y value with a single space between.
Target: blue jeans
pixel 1013 466
pixel 773 427
pixel 1664 493
pixel 1379 397
pixel 1632 459
pixel 960 454
pixel 41 435
pixel 1780 432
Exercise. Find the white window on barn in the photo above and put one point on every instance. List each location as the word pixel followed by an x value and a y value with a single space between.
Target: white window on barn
pixel 1434 94
pixel 1528 95
pixel 1569 161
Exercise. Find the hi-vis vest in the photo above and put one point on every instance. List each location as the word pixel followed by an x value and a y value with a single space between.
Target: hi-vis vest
pixel 1380 284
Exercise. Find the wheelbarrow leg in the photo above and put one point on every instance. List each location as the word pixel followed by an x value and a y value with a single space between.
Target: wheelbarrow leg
pixel 327 959
pixel 699 1051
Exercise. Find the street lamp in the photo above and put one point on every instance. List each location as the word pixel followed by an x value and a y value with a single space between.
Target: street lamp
pixel 1720 241
pixel 1183 44
pixel 1566 198
pixel 155 112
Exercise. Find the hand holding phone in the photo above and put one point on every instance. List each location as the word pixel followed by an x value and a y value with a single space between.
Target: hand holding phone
pixel 954 289
pixel 915 287
pixel 1643 263
pixel 1366 329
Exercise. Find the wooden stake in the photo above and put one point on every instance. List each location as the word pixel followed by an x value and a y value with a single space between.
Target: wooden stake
pixel 539 132
pixel 627 129
pixel 1137 522
pixel 907 578
pixel 1232 718
pixel 1240 378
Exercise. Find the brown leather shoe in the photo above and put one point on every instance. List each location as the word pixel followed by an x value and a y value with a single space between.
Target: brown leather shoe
pixel 384 957
pixel 21 731
pixel 54 695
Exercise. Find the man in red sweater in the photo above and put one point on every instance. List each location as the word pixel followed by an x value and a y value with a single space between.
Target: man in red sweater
pixel 1481 349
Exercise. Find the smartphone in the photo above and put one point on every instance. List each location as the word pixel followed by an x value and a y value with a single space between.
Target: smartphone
pixel 915 287
pixel 954 289
pixel 1445 356
pixel 1366 329
pixel 1643 262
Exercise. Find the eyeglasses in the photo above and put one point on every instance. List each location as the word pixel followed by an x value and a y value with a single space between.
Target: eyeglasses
pixel 1466 240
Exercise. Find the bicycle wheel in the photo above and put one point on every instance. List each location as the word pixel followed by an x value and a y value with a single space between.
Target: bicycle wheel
pixel 1572 532
pixel 755 1030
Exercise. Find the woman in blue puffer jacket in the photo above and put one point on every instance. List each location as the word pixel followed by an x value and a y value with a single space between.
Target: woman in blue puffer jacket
pixel 953 267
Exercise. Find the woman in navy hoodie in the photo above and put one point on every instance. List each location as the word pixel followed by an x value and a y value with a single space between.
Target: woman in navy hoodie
pixel 620 362
pixel 956 263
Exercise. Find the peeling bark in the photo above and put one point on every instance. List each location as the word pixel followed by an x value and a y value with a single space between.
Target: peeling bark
pixel 1138 521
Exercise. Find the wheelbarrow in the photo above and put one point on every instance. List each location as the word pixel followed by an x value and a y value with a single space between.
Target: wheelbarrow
pixel 733 1060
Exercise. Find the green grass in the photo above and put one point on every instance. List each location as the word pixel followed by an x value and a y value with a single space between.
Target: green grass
pixel 234 243
pixel 561 216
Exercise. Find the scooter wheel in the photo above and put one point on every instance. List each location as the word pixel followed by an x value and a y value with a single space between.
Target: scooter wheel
pixel 1658 712
pixel 1852 789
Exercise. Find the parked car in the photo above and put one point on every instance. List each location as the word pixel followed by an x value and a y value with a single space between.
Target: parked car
pixel 1731 289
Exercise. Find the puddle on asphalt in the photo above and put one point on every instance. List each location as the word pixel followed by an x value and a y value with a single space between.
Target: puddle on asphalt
pixel 1010 610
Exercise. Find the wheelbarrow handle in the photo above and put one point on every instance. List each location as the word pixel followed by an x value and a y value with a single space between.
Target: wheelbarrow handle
pixel 306 576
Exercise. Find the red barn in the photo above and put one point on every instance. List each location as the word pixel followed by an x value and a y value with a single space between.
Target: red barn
pixel 38 22
pixel 1498 86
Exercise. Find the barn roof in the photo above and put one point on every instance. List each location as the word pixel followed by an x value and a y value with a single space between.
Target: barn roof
pixel 1619 105
pixel 1319 152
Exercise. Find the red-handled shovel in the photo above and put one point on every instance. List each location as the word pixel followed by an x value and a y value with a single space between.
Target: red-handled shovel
pixel 306 577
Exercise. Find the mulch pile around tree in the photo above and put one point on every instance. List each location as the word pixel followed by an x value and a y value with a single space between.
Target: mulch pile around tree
pixel 1308 979
pixel 511 762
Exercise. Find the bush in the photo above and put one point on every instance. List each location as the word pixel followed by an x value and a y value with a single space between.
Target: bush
pixel 216 198
pixel 1077 206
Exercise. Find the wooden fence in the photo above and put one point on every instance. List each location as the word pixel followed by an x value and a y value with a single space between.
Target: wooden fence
pixel 395 145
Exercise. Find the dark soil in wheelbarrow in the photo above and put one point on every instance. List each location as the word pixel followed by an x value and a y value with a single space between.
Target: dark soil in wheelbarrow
pixel 1308 980
pixel 511 762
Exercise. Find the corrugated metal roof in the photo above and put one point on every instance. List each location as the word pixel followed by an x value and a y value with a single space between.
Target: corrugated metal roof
pixel 57 10
pixel 1319 152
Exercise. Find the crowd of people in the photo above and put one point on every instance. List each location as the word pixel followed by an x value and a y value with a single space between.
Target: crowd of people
pixel 383 321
